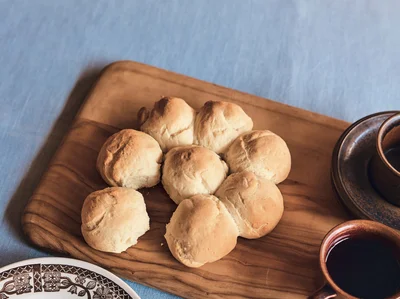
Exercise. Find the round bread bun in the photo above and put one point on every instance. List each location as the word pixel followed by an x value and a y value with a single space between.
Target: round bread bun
pixel 201 231
pixel 130 159
pixel 113 219
pixel 190 170
pixel 262 152
pixel 255 203
pixel 218 124
pixel 170 122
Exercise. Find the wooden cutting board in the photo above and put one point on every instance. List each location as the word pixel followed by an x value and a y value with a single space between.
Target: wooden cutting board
pixel 283 264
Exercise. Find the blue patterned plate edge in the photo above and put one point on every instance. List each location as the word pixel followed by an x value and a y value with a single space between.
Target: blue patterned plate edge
pixel 61 277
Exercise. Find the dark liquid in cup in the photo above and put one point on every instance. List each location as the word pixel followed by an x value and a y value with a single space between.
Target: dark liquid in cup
pixel 393 157
pixel 365 267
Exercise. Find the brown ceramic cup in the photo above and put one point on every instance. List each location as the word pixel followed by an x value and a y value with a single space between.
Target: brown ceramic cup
pixel 350 229
pixel 383 173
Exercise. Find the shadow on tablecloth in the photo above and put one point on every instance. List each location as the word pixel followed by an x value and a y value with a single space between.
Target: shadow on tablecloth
pixel 40 163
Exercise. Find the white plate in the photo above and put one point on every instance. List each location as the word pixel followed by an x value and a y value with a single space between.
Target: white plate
pixel 62 278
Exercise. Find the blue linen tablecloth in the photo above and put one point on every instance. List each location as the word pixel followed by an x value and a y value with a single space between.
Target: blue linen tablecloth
pixel 339 58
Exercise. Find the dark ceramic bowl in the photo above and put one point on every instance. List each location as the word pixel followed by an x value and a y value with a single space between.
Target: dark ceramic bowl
pixel 351 229
pixel 385 174
pixel 350 177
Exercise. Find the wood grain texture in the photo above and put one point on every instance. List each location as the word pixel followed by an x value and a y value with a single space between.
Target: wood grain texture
pixel 283 264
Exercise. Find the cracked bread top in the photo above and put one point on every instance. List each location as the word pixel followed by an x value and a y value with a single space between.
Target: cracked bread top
pixel 170 122
pixel 201 231
pixel 262 152
pixel 219 123
pixel 255 203
pixel 114 218
pixel 130 159
pixel 190 170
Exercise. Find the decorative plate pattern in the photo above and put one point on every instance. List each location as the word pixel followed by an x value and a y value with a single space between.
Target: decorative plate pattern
pixel 67 279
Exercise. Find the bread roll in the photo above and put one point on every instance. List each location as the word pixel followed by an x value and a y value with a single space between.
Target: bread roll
pixel 201 231
pixel 262 152
pixel 219 123
pixel 130 159
pixel 114 218
pixel 190 170
pixel 255 203
pixel 170 122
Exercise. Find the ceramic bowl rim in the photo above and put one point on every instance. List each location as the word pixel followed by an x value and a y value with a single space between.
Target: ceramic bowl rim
pixel 381 135
pixel 334 234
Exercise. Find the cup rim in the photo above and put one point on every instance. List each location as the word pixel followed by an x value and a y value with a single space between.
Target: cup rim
pixel 379 140
pixel 325 247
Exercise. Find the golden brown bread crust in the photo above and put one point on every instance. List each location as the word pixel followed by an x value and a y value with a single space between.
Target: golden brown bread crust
pixel 113 219
pixel 255 203
pixel 201 231
pixel 130 159
pixel 190 170
pixel 203 228
pixel 170 122
pixel 218 124
pixel 262 152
